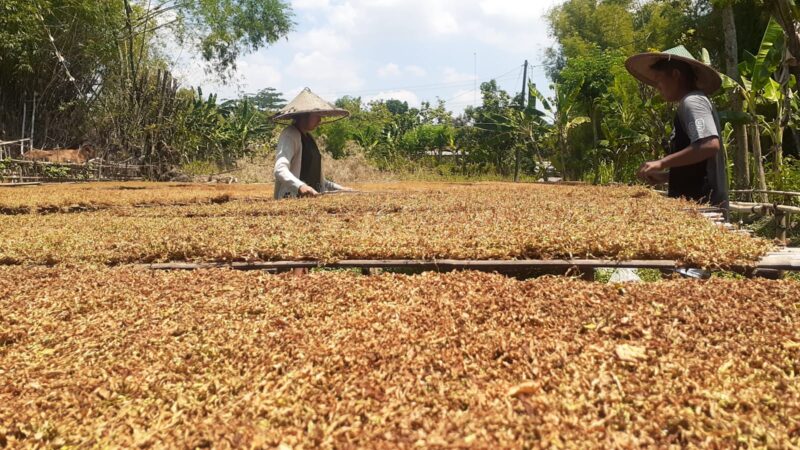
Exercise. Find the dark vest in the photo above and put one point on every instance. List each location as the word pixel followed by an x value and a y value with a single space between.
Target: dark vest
pixel 691 181
pixel 311 163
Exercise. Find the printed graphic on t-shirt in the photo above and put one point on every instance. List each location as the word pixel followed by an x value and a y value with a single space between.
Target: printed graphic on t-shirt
pixel 700 124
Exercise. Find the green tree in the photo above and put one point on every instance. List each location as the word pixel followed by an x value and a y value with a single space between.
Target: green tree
pixel 220 30
pixel 493 143
pixel 267 100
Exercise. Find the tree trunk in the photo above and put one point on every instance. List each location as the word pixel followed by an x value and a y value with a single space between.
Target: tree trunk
pixel 741 160
pixel 759 160
pixel 594 112
pixel 131 48
pixel 563 151
pixel 777 149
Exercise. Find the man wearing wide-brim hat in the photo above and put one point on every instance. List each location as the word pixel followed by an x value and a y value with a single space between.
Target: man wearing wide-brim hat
pixel 695 166
pixel 298 164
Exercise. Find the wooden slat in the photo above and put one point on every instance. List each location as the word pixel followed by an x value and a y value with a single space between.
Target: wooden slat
pixel 439 265
pixel 35 183
pixel 787 259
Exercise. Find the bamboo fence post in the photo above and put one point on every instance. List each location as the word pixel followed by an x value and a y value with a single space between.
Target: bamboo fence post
pixel 780 223
pixel 24 117
pixel 33 117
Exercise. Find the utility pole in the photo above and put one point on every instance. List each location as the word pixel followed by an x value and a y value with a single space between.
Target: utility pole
pixel 475 83
pixel 524 82
pixel 522 104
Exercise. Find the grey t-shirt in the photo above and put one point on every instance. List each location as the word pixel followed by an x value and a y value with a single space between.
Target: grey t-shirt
pixel 707 181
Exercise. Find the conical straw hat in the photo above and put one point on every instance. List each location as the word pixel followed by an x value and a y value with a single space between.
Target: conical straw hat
pixel 308 102
pixel 640 66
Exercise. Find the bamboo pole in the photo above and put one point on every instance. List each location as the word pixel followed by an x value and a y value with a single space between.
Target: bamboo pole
pixel 33 119
pixel 782 224
pixel 762 208
pixel 24 118
pixel 768 192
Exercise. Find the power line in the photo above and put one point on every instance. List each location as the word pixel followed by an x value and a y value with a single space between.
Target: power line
pixel 417 87
pixel 505 75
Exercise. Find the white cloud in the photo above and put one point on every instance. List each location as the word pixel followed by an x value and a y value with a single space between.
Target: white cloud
pixel 363 47
pixel 326 72
pixel 453 76
pixel 515 10
pixel 393 70
pixel 402 95
pixel 310 4
pixel 443 22
pixel 326 39
pixel 416 71
pixel 389 70
pixel 257 73
pixel 344 16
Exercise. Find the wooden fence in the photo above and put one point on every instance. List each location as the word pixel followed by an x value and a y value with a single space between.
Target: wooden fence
pixel 19 171
pixel 13 149
pixel 782 207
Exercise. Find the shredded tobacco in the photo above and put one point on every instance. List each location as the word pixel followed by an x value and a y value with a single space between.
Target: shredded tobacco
pixel 59 198
pixel 413 221
pixel 96 357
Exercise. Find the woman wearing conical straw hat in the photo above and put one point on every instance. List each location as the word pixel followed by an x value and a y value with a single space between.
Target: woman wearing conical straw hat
pixel 298 165
pixel 695 167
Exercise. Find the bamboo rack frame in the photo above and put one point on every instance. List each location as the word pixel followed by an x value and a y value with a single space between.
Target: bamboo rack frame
pixel 437 265
pixel 782 260
pixel 768 192
pixel 762 208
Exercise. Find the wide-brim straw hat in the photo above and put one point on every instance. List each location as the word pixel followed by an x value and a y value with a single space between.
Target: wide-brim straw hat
pixel 308 102
pixel 640 66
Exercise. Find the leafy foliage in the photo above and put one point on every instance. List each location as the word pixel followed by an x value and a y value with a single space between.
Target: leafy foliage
pixel 103 77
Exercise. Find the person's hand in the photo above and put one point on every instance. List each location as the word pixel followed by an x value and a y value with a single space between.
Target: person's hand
pixel 307 191
pixel 650 169
pixel 657 178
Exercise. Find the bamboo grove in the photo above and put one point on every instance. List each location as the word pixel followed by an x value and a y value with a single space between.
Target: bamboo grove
pixel 77 71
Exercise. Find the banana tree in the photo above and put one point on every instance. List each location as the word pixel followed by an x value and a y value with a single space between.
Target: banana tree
pixel 769 80
pixel 759 88
pixel 560 112
pixel 787 13
pixel 531 129
pixel 779 94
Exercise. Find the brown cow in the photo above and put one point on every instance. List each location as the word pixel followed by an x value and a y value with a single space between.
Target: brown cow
pixel 62 155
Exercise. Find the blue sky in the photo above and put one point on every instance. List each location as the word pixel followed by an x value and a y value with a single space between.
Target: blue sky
pixel 412 50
